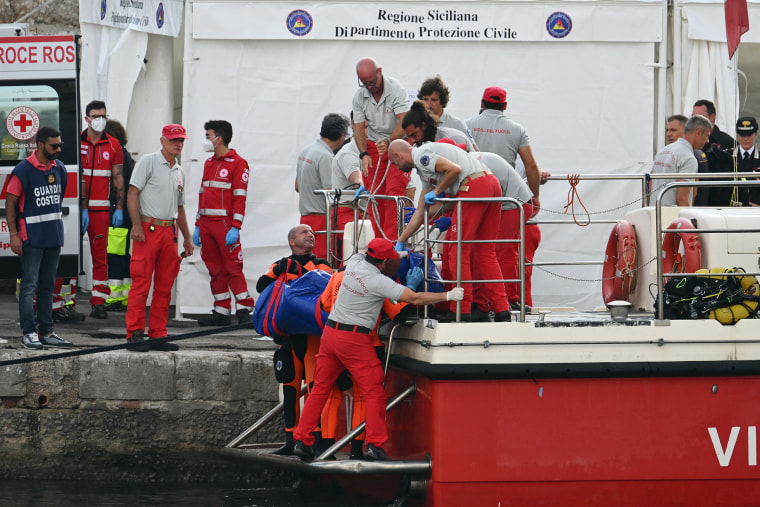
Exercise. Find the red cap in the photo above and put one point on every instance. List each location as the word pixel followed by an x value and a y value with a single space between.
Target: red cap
pixel 381 249
pixel 448 140
pixel 495 94
pixel 174 131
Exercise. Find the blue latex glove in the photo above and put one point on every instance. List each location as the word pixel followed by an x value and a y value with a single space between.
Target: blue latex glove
pixel 414 277
pixel 408 212
pixel 118 218
pixel 197 236
pixel 85 219
pixel 400 246
pixel 359 191
pixel 431 196
pixel 442 223
pixel 232 236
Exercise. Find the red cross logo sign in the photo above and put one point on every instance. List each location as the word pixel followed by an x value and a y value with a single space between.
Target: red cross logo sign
pixel 23 123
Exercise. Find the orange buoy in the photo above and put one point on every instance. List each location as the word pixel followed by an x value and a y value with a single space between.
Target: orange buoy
pixel 672 260
pixel 619 271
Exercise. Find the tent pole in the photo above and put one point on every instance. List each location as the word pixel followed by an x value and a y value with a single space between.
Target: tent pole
pixel 677 60
pixel 662 74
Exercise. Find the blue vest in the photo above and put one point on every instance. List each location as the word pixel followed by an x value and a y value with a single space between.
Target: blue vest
pixel 43 203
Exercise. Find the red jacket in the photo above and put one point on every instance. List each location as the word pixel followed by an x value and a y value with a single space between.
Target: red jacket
pixel 97 161
pixel 224 189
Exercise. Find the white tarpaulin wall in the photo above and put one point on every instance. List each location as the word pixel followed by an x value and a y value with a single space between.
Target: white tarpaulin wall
pixel 707 71
pixel 587 102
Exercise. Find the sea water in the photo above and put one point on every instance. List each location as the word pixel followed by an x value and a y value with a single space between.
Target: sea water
pixel 96 494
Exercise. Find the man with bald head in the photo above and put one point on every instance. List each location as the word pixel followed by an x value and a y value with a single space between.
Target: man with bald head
pixel 379 103
pixel 447 170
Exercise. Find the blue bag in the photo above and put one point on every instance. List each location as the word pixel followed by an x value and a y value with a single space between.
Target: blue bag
pixel 291 308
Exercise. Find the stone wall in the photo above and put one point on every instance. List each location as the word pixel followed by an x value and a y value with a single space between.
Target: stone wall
pixel 121 416
pixel 56 17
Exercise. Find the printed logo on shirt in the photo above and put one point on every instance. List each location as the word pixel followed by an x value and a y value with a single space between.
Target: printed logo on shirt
pixel 425 160
pixel 106 155
pixel 299 22
pixel 559 25
pixel 224 173
pixel 244 177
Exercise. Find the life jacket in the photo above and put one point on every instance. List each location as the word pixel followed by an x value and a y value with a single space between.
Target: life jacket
pixel 43 201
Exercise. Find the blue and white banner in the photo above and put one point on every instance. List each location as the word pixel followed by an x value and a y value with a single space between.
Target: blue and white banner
pixel 588 21
pixel 162 17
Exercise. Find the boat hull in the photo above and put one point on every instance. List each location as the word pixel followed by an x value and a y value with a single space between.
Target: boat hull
pixel 582 441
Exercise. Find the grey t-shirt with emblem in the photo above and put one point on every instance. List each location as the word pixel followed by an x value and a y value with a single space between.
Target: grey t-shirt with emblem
pixel 426 156
pixel 362 294
pixel 677 157
pixel 512 185
pixel 313 172
pixel 495 133
pixel 162 187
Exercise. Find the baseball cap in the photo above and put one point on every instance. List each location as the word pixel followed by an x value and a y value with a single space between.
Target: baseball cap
pixel 448 140
pixel 495 94
pixel 746 125
pixel 381 249
pixel 174 131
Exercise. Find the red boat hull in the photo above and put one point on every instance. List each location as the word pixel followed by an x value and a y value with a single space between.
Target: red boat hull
pixel 600 441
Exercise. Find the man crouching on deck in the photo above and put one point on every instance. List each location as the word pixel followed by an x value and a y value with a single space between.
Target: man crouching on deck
pixel 346 343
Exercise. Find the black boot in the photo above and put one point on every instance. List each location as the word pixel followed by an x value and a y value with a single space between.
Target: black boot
pixel 357 447
pixel 324 444
pixel 287 449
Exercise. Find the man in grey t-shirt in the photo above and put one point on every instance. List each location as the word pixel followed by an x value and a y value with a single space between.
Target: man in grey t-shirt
pixel 157 208
pixel 678 157
pixel 346 343
pixel 314 172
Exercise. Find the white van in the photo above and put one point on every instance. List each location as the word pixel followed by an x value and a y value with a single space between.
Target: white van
pixel 39 87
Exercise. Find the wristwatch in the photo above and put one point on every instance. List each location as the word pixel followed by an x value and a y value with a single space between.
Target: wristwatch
pixel 363 154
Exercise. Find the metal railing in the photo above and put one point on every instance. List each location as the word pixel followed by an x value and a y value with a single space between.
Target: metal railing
pixel 330 203
pixel 660 310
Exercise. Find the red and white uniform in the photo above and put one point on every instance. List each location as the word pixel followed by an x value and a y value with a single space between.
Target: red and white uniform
pixel 97 161
pixel 221 205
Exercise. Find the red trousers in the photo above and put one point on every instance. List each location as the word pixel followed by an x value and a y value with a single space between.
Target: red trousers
pixel 225 265
pixel 154 261
pixel 97 231
pixel 395 183
pixel 340 350
pixel 318 224
pixel 479 221
pixel 509 253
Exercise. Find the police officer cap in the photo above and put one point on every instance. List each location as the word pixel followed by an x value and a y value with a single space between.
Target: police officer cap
pixel 746 125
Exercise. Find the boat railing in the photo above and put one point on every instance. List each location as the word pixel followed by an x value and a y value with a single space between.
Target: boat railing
pixel 332 197
pixel 674 186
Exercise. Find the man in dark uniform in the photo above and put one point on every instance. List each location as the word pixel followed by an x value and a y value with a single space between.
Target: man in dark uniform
pixel 747 156
pixel 743 158
pixel 717 136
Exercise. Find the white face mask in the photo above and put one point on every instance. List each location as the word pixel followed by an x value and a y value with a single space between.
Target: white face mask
pixel 207 145
pixel 98 124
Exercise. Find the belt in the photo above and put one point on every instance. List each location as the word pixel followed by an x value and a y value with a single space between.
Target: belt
pixel 347 327
pixel 464 187
pixel 156 221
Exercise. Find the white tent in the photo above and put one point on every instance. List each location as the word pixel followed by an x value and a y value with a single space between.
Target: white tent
pixel 592 98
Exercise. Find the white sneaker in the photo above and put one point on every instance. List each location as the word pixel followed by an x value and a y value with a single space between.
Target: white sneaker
pixel 32 341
